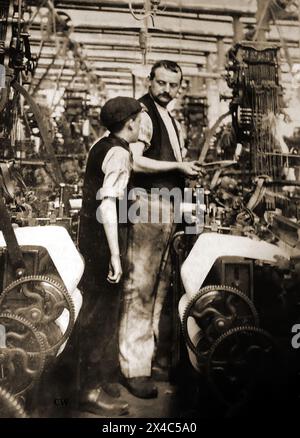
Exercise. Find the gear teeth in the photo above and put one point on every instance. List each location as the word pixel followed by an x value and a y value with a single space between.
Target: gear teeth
pixel 201 293
pixel 29 278
pixel 12 405
pixel 252 330
pixel 243 328
pixel 61 287
pixel 39 339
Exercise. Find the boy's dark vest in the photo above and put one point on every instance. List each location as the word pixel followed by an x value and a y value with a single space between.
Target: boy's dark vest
pixel 94 176
pixel 160 149
pixel 92 239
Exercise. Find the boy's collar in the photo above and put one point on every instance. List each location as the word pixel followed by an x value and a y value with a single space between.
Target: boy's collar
pixel 121 140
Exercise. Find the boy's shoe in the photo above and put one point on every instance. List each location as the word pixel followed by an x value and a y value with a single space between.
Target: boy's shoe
pixel 98 402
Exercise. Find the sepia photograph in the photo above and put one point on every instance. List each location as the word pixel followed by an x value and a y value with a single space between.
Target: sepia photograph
pixel 149 212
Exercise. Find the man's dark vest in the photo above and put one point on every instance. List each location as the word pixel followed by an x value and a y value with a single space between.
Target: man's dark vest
pixel 160 149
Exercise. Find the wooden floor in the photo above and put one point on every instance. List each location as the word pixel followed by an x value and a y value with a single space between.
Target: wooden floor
pixel 54 404
pixel 164 406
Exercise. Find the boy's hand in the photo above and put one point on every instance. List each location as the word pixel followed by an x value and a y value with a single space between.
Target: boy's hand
pixel 115 269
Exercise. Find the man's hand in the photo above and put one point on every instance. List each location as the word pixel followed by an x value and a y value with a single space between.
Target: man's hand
pixel 190 168
pixel 115 269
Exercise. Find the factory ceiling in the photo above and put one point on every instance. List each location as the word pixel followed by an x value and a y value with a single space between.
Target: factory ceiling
pixel 109 42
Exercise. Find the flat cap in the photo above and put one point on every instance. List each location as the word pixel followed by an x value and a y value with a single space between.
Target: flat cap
pixel 119 109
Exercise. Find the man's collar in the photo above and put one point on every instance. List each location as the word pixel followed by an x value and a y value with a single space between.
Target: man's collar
pixel 161 108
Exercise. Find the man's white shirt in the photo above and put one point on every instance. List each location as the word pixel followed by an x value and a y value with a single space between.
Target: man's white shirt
pixel 165 115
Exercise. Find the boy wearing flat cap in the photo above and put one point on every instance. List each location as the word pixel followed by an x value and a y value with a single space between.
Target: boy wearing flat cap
pixel 102 242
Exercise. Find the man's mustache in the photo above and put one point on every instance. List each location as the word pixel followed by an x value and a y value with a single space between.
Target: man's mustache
pixel 165 95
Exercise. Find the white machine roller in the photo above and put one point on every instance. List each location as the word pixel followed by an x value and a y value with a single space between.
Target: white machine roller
pixel 207 249
pixel 39 309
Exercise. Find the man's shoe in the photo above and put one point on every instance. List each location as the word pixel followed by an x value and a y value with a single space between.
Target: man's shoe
pixel 98 402
pixel 160 374
pixel 112 389
pixel 141 387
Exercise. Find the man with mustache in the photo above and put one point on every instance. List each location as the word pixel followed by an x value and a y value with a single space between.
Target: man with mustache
pixel 158 165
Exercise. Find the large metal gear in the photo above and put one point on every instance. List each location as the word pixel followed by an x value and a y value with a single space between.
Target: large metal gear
pixel 41 300
pixel 10 406
pixel 215 310
pixel 22 354
pixel 238 360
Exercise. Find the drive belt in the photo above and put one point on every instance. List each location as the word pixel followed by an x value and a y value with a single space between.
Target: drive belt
pixel 13 248
pixel 6 181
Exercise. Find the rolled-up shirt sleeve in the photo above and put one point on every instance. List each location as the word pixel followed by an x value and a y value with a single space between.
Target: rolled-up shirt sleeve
pixel 146 130
pixel 116 167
